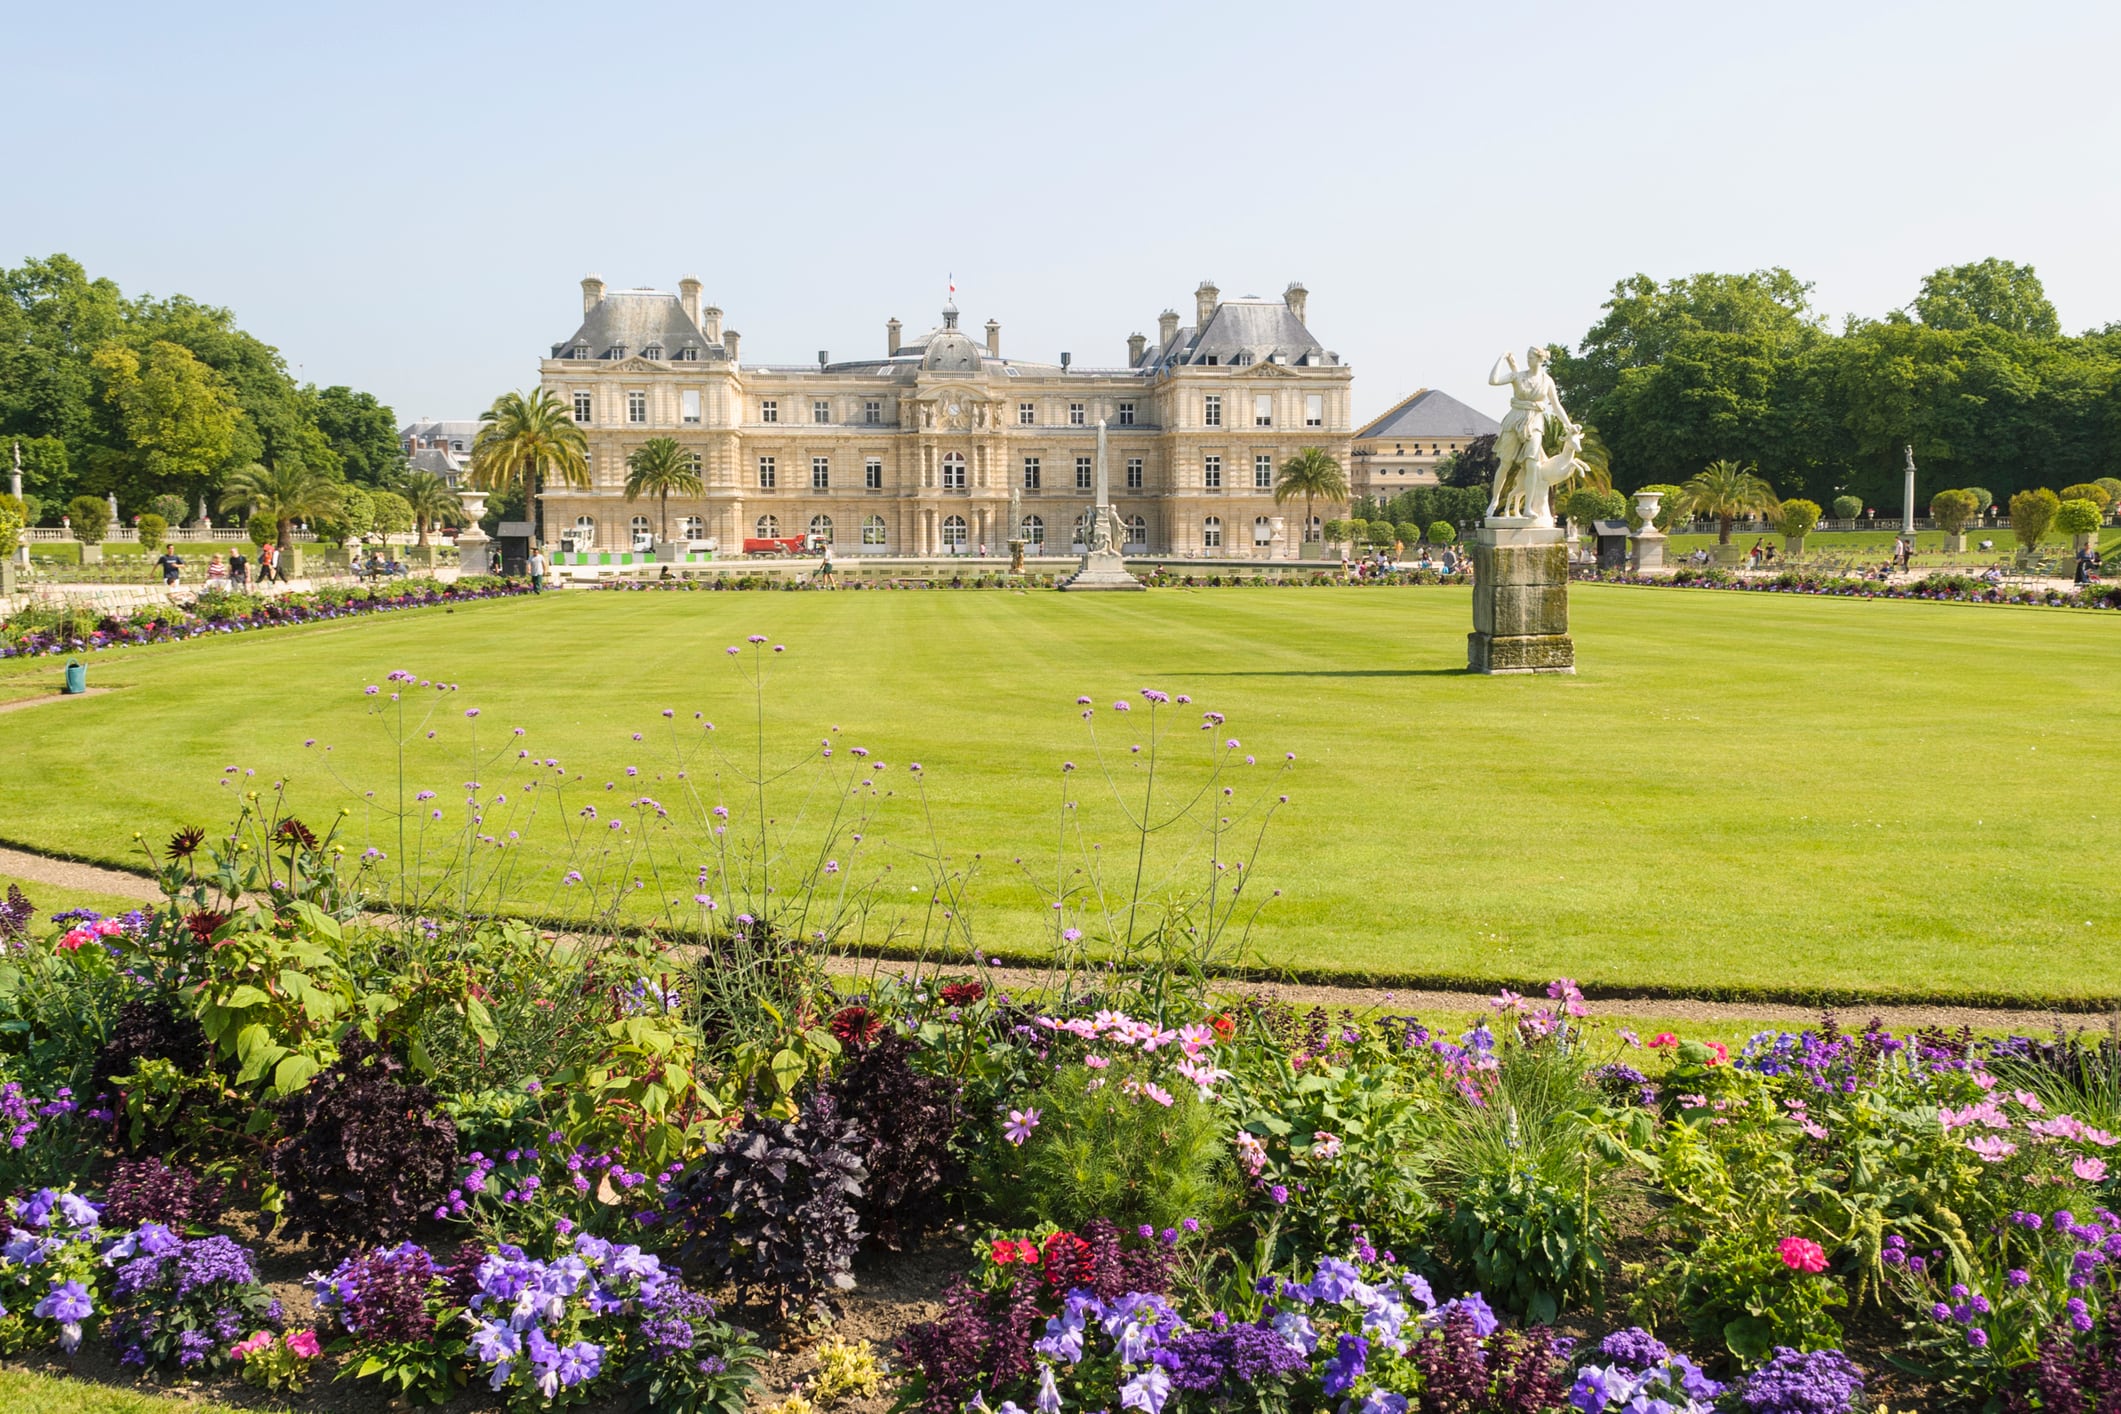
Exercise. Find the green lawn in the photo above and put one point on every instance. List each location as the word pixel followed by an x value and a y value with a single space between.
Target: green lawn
pixel 1736 792
pixel 22 1392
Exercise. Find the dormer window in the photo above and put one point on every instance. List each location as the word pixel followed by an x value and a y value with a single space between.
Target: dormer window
pixel 617 351
pixel 654 351
pixel 688 355
pixel 579 351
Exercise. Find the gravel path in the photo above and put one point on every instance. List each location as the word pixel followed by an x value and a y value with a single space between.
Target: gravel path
pixel 90 878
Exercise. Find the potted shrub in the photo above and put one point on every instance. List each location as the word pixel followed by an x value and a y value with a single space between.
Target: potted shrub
pixel 90 518
pixel 1952 510
pixel 1848 508
pixel 2079 518
pixel 1796 520
pixel 2032 512
pixel 152 528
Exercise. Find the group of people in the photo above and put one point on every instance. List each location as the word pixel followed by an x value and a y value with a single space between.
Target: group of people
pixel 1383 563
pixel 235 573
pixel 375 565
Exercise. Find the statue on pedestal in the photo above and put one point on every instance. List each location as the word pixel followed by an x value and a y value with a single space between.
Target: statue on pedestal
pixel 1521 445
pixel 1103 566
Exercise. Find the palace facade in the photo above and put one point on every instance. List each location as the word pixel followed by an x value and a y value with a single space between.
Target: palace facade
pixel 917 451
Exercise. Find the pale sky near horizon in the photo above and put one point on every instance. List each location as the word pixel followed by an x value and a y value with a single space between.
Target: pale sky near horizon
pixel 404 198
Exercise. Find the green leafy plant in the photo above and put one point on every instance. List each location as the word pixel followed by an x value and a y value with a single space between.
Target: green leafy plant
pixel 1797 517
pixel 2032 513
pixel 1847 508
pixel 2079 517
pixel 90 518
pixel 152 530
pixel 1953 509
pixel 1442 533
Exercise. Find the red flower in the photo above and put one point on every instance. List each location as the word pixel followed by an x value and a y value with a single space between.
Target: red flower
pixel 1663 1041
pixel 856 1025
pixel 1718 1052
pixel 202 924
pixel 1222 1025
pixel 1801 1254
pixel 962 993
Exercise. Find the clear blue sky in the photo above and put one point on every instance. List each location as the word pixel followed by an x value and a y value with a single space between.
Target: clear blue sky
pixel 403 197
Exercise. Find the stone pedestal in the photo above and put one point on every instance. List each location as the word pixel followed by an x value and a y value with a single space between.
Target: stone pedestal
pixel 474 550
pixel 1520 600
pixel 1647 552
pixel 1102 569
pixel 91 554
pixel 1016 557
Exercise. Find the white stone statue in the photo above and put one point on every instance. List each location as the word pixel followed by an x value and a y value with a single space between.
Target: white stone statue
pixel 1528 496
pixel 1522 441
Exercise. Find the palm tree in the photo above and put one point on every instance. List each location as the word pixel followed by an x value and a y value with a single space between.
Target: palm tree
pixel 434 502
pixel 523 439
pixel 287 491
pixel 658 467
pixel 1726 490
pixel 1310 474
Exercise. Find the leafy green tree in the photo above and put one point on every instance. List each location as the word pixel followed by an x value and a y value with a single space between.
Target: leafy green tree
pixel 361 430
pixel 177 414
pixel 172 509
pixel 152 530
pixel 392 513
pixel 2032 512
pixel 522 440
pixel 1953 509
pixel 2079 517
pixel 1797 517
pixel 432 501
pixel 1994 292
pixel 1724 491
pixel 287 492
pixel 11 522
pixel 1982 499
pixel 1442 533
pixel 262 528
pixel 356 516
pixel 90 518
pixel 1408 533
pixel 1587 504
pixel 46 470
pixel 656 468
pixel 1471 467
pixel 2088 491
pixel 2111 486
pixel 1335 531
pixel 1848 508
pixel 1314 475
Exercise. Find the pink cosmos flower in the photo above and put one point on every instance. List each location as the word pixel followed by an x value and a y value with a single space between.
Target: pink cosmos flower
pixel 1991 1149
pixel 1020 1125
pixel 2090 1170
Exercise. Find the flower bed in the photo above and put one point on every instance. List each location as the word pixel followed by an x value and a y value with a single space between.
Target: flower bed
pixel 39 631
pixel 1939 588
pixel 550 1170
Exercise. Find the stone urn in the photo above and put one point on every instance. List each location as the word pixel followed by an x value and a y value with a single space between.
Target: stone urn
pixel 1646 504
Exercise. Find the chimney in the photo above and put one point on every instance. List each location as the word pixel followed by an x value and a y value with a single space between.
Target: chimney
pixel 824 356
pixel 1294 297
pixel 1135 344
pixel 711 324
pixel 1066 359
pixel 994 338
pixel 1204 300
pixel 689 297
pixel 729 341
pixel 1166 328
pixel 891 328
pixel 592 292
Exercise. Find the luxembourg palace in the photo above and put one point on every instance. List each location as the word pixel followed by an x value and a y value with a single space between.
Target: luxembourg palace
pixel 917 450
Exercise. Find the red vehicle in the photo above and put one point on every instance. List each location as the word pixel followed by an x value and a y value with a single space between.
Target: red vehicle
pixel 785 545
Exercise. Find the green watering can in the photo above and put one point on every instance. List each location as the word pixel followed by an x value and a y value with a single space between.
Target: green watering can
pixel 76 678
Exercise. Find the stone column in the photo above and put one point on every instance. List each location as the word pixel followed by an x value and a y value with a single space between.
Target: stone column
pixel 1520 601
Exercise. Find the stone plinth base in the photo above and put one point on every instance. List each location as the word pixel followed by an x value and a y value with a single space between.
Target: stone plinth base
pixel 1520 601
pixel 1648 550
pixel 1102 569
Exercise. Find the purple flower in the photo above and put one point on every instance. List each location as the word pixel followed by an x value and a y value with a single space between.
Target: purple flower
pixel 1351 1358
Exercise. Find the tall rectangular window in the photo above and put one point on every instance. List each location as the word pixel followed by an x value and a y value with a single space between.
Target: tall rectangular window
pixel 1075 415
pixel 1126 414
pixel 581 407
pixel 1211 473
pixel 873 473
pixel 1263 410
pixel 1211 411
pixel 1030 473
pixel 872 412
pixel 1263 472
pixel 1082 473
pixel 1134 473
pixel 1314 409
pixel 1026 414
pixel 821 473
pixel 769 411
pixel 820 410
pixel 689 408
pixel 636 407
pixel 765 473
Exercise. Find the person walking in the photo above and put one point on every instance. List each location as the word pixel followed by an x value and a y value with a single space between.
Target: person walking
pixel 172 563
pixel 537 571
pixel 238 570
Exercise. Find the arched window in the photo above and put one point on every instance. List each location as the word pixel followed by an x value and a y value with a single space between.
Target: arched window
pixel 1137 531
pixel 692 528
pixel 954 471
pixel 1211 532
pixel 639 527
pixel 874 532
pixel 585 532
pixel 1262 531
pixel 821 527
pixel 1033 531
pixel 768 528
pixel 954 533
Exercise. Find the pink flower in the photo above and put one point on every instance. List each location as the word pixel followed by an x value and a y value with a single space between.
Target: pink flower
pixel 1663 1041
pixel 2090 1170
pixel 1020 1125
pixel 1992 1150
pixel 1801 1254
pixel 259 1342
pixel 74 938
pixel 304 1344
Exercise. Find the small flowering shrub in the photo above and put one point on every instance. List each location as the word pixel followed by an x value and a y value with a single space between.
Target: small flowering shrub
pixel 776 1204
pixel 392 1315
pixel 1127 1128
pixel 545 1333
pixel 846 1369
pixel 1803 1382
pixel 50 1272
pixel 540 1196
pixel 183 1304
pixel 277 1361
pixel 148 1190
pixel 366 1153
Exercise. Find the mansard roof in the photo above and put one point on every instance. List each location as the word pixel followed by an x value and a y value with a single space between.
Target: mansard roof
pixel 634 320
pixel 1427 414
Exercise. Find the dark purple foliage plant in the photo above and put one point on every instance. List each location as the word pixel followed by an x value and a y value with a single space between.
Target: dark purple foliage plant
pixel 150 1191
pixel 907 1121
pixel 366 1152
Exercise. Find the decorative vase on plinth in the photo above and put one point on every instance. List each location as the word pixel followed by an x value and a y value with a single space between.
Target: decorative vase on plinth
pixel 1520 599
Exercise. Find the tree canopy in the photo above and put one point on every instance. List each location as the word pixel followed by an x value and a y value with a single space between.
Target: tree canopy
pixel 144 396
